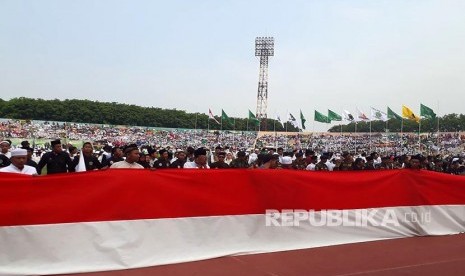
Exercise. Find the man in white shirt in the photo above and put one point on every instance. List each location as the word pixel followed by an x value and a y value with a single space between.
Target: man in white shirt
pixel 18 163
pixel 200 160
pixel 132 156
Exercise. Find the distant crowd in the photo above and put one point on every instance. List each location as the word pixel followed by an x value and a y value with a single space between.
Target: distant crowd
pixel 149 148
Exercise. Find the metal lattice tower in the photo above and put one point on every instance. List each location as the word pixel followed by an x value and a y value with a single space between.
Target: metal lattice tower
pixel 264 48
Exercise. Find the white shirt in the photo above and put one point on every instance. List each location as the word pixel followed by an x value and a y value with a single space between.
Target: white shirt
pixel 330 165
pixel 310 167
pixel 8 154
pixel 13 169
pixel 193 165
pixel 126 165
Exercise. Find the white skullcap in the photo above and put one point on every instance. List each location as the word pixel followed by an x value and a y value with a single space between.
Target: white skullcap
pixel 287 160
pixel 5 141
pixel 18 152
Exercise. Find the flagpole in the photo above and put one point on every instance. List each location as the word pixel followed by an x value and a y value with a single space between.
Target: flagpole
pixel 387 131
pixel 437 140
pixel 274 130
pixel 401 136
pixel 355 138
pixel 370 136
pixel 419 136
pixel 234 133
pixel 340 138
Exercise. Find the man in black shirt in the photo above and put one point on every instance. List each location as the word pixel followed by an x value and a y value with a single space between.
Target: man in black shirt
pixel 116 156
pixel 4 161
pixel 91 162
pixel 57 160
pixel 220 164
pixel 162 162
pixel 179 162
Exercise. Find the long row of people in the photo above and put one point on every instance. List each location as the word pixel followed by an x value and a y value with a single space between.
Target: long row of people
pixel 65 158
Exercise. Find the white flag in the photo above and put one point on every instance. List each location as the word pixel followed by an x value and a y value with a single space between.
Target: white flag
pixel 347 116
pixel 292 120
pixel 210 115
pixel 378 115
pixel 81 167
pixel 278 118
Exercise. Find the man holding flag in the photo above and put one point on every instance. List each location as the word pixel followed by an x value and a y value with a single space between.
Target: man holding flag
pixel 86 161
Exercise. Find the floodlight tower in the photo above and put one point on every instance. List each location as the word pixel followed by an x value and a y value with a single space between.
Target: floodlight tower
pixel 264 48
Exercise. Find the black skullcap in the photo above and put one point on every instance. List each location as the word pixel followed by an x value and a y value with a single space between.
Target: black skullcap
pixel 55 142
pixel 200 151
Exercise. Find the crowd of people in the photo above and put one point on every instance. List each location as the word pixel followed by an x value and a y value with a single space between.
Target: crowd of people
pixel 139 147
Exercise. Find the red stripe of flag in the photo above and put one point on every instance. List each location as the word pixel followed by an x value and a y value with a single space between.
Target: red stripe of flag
pixel 142 194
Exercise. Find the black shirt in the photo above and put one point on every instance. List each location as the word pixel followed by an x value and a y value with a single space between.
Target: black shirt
pixel 161 163
pixel 56 163
pixel 91 163
pixel 178 164
pixel 219 165
pixel 4 161
pixel 110 161
pixel 32 163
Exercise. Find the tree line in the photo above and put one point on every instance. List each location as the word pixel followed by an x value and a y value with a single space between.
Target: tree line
pixel 113 113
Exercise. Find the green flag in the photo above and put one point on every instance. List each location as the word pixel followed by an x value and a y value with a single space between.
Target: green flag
pixel 302 119
pixel 392 115
pixel 333 116
pixel 224 117
pixel 253 118
pixel 321 118
pixel 427 112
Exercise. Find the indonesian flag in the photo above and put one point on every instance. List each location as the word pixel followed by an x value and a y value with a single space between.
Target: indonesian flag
pixel 361 116
pixel 119 219
pixel 211 116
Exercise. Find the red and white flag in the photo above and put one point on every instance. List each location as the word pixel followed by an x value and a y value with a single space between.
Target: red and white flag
pixel 120 219
pixel 211 116
pixel 361 116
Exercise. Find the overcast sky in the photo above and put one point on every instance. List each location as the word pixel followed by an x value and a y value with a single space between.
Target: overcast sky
pixel 196 55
